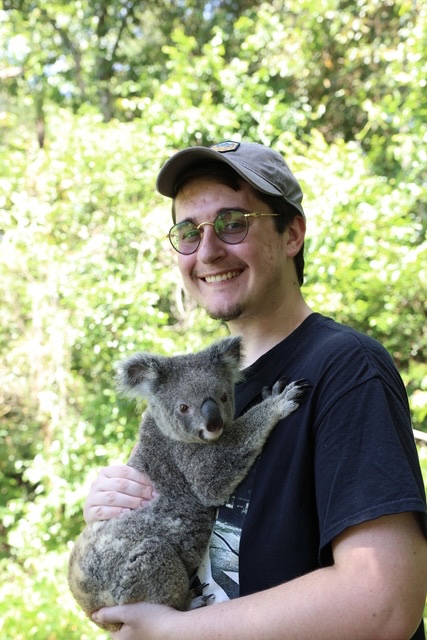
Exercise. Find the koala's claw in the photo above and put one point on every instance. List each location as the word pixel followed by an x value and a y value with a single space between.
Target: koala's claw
pixel 295 390
pixel 201 601
pixel 277 388
pixel 292 395
pixel 302 385
pixel 198 588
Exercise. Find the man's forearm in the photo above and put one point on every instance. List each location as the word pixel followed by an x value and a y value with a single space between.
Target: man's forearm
pixel 319 605
pixel 375 590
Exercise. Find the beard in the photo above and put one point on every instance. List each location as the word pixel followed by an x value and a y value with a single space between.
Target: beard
pixel 226 316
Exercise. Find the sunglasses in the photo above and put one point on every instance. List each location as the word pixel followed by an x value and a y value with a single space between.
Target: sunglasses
pixel 231 226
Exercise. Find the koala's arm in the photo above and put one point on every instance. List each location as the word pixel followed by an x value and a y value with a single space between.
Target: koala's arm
pixel 217 468
pixel 154 455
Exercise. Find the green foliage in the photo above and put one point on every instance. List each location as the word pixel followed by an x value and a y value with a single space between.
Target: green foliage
pixel 95 96
pixel 371 269
pixel 39 592
pixel 89 278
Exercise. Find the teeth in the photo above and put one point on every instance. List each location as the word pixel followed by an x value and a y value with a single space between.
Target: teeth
pixel 222 276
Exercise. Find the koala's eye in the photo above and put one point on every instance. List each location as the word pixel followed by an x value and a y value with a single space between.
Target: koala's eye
pixel 224 397
pixel 183 408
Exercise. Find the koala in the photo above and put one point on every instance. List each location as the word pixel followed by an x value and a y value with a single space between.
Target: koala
pixel 196 454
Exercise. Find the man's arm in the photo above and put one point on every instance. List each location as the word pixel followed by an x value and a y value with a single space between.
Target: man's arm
pixel 375 590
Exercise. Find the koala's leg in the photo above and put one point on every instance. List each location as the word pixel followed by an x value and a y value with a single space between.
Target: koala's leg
pixel 154 573
pixel 239 446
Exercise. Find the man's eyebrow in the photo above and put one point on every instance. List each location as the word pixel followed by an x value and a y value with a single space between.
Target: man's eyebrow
pixel 187 219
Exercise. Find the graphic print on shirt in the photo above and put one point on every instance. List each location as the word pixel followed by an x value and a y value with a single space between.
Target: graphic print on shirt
pixel 220 566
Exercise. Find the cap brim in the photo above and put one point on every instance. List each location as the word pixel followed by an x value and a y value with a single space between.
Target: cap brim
pixel 182 161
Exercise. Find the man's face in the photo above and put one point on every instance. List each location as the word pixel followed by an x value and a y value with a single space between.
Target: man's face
pixel 238 281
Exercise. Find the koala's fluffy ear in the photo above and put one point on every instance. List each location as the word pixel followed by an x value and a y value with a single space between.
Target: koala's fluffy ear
pixel 135 375
pixel 230 352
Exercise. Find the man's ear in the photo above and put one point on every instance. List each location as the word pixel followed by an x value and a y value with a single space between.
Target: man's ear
pixel 295 234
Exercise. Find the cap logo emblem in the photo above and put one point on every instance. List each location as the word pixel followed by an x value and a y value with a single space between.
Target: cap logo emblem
pixel 227 145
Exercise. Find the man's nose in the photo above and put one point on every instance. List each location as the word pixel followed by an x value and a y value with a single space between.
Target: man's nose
pixel 211 247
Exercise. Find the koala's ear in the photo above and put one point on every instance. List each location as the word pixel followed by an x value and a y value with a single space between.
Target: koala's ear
pixel 136 374
pixel 230 352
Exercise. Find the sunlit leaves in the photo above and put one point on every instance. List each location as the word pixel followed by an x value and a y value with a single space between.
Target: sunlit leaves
pixel 88 275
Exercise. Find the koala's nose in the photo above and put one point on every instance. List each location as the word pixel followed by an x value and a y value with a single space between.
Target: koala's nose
pixel 212 415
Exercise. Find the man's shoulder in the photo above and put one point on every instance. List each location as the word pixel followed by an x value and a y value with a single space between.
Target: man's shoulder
pixel 325 353
pixel 323 349
pixel 326 336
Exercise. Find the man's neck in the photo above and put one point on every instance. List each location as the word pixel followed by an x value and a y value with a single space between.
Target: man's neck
pixel 263 333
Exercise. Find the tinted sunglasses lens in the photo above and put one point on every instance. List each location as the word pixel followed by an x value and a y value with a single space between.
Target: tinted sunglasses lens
pixel 231 226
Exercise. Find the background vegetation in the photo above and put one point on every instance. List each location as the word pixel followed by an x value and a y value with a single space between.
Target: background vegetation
pixel 94 96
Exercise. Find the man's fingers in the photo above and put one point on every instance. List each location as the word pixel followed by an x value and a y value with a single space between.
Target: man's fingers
pixel 104 505
pixel 117 489
pixel 121 486
pixel 99 512
pixel 124 480
pixel 124 472
pixel 108 615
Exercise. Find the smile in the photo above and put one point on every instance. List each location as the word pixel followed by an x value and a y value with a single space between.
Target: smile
pixel 222 276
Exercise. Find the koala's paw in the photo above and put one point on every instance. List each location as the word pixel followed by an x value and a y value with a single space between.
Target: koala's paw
pixel 201 601
pixel 290 396
pixel 198 599
pixel 277 388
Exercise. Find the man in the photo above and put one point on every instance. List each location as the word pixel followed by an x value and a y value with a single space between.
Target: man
pixel 330 524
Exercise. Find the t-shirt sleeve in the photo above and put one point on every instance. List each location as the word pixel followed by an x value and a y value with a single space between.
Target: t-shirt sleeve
pixel 365 458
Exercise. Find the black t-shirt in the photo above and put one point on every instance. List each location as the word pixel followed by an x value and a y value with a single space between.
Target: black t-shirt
pixel 346 456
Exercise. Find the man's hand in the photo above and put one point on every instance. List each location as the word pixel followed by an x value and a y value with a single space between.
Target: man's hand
pixel 117 489
pixel 140 620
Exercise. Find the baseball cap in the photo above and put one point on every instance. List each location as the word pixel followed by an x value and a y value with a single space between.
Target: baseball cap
pixel 261 166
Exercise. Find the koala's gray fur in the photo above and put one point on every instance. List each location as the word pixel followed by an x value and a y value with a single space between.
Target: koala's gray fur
pixel 196 455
